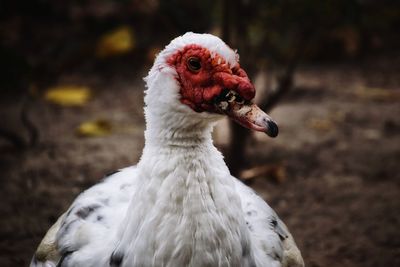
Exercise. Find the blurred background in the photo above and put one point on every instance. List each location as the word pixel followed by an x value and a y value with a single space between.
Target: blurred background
pixel 71 107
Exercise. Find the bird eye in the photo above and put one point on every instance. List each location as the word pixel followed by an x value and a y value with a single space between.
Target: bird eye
pixel 194 64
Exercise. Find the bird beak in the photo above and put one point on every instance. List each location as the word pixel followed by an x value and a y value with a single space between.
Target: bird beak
pixel 252 117
pixel 246 113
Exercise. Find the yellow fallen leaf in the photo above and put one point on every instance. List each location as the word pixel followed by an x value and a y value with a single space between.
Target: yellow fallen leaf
pixel 117 42
pixel 68 95
pixel 94 128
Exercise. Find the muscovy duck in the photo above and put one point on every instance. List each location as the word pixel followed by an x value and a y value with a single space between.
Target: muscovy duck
pixel 179 206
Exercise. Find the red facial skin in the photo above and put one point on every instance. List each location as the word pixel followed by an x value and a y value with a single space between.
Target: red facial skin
pixel 199 88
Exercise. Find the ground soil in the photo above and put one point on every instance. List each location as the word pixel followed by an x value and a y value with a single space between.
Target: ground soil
pixel 338 156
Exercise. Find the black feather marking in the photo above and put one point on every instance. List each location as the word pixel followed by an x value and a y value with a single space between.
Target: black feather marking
pixel 251 213
pixel 245 249
pixel 116 259
pixel 69 212
pixel 249 226
pixel 84 212
pixel 64 259
pixel 278 229
pixel 274 222
pixel 277 256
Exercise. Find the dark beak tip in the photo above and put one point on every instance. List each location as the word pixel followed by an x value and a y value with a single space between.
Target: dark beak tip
pixel 273 129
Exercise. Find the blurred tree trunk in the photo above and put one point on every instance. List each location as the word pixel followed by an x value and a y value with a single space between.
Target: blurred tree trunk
pixel 233 31
pixel 239 135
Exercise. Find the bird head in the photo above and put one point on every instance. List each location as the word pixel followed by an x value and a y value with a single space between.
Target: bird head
pixel 204 77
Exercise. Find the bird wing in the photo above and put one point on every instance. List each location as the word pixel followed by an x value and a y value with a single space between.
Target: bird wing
pixel 94 215
pixel 271 240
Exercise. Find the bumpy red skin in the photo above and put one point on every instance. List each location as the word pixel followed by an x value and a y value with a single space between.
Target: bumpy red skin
pixel 198 89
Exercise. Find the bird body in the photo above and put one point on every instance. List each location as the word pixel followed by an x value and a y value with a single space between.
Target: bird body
pixel 179 206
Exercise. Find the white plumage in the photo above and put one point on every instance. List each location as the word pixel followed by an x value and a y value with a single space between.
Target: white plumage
pixel 179 206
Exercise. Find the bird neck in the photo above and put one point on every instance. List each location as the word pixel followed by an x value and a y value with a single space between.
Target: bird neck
pixel 183 133
pixel 186 205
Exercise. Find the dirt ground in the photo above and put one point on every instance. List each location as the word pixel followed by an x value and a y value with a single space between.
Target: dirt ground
pixel 338 153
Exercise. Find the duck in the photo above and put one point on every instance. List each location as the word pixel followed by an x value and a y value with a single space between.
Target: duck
pixel 179 205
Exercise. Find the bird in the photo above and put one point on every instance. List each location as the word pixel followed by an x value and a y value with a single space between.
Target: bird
pixel 179 205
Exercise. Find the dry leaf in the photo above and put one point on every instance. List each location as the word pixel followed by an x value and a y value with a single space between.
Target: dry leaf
pixel 94 128
pixel 117 42
pixel 68 95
